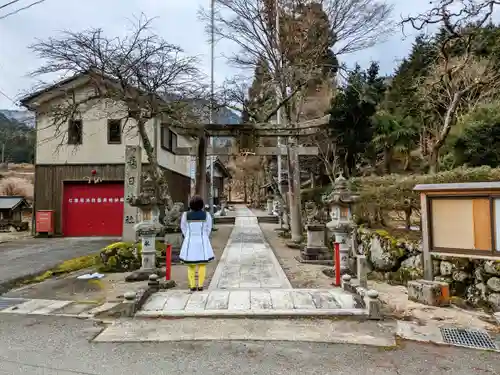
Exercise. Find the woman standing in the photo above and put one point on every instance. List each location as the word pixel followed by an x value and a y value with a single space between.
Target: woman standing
pixel 196 250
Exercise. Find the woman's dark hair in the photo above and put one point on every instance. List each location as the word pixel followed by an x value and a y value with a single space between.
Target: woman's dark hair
pixel 196 203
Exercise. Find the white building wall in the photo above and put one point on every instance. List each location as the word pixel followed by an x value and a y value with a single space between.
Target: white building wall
pixel 52 147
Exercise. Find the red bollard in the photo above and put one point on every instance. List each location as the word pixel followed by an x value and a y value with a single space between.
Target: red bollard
pixel 337 263
pixel 168 262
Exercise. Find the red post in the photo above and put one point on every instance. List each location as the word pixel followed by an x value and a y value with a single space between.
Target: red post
pixel 168 262
pixel 337 263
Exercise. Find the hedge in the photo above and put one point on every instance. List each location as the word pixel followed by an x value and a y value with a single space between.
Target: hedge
pixel 394 194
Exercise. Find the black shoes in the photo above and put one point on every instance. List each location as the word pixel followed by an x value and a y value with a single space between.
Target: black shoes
pixel 199 289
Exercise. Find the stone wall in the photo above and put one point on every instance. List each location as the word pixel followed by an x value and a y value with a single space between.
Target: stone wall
pixel 398 260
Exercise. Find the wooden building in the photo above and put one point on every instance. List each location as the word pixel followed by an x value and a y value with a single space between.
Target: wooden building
pixel 13 208
pixel 221 175
pixel 93 146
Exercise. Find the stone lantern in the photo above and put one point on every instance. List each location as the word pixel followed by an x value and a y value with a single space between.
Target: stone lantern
pixel 340 226
pixel 148 228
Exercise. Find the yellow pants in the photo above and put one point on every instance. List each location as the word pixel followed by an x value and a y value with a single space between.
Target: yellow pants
pixel 192 275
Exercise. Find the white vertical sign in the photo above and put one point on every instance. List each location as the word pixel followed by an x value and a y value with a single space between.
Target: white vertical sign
pixel 133 171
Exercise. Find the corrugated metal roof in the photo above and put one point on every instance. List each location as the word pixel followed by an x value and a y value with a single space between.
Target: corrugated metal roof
pixel 7 203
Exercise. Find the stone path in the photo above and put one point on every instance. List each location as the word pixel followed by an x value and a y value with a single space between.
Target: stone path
pixel 248 262
pixel 52 307
pixel 249 281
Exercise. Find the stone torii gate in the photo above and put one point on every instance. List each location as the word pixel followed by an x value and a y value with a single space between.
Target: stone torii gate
pixel 248 136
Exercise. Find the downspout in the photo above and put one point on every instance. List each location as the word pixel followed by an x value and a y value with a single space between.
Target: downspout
pixel 33 210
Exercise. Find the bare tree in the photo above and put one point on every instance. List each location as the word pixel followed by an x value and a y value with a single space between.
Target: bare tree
pixel 16 186
pixel 327 154
pixel 454 82
pixel 297 56
pixel 246 176
pixel 452 88
pixel 144 75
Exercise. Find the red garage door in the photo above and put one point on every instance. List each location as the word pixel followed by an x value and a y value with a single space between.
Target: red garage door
pixel 93 209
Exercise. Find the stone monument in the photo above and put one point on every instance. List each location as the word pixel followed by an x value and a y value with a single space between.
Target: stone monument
pixel 340 226
pixel 133 173
pixel 315 248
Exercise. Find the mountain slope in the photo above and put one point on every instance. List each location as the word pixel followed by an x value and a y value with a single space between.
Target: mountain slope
pixel 17 141
pixel 25 117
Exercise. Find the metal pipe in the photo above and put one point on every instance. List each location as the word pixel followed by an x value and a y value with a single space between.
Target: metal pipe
pixel 212 143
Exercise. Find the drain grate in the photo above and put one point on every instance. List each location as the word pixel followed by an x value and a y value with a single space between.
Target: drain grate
pixel 470 338
pixel 9 302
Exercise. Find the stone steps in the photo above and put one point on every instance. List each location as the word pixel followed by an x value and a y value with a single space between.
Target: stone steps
pixel 252 303
pixel 224 219
pixel 271 219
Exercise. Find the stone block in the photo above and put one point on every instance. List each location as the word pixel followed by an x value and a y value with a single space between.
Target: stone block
pixel 497 317
pixel 373 305
pixel 432 293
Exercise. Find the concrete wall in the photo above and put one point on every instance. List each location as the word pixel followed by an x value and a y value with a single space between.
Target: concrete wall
pixel 52 147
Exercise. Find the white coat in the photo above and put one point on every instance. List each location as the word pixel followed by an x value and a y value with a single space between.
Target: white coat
pixel 196 247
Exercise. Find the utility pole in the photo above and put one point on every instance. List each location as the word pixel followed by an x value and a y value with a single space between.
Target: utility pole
pixel 211 115
pixel 278 91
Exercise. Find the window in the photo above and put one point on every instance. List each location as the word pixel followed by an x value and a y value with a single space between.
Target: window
pixel 114 131
pixel 168 139
pixel 75 132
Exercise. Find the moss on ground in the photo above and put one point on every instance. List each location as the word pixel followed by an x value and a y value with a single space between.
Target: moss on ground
pixel 68 266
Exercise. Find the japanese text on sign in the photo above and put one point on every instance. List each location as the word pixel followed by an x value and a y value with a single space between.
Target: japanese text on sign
pixel 96 200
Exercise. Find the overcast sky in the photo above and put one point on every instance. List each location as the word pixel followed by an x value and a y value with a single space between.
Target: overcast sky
pixel 177 22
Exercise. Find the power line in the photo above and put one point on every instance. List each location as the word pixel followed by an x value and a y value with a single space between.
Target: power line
pixel 6 5
pixel 20 9
pixel 8 97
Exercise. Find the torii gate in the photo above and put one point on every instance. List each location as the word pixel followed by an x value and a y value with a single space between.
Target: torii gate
pixel 248 135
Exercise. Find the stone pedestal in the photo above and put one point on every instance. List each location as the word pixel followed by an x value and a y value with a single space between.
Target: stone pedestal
pixel 147 231
pixel 342 239
pixel 316 248
pixel 148 251
pixel 269 206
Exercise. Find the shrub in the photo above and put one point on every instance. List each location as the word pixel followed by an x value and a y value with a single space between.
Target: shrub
pixel 15 186
pixel 125 256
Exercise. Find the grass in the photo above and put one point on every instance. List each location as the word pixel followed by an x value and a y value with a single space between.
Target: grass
pixel 68 266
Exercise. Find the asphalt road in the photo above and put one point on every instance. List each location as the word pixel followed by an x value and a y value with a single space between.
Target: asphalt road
pixel 60 346
pixel 30 256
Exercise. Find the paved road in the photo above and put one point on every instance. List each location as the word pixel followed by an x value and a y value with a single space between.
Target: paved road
pixel 60 346
pixel 26 257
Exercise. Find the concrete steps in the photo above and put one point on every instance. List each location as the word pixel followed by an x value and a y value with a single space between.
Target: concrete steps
pixel 240 303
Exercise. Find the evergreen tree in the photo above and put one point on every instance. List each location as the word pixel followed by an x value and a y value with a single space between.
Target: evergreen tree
pixel 351 125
